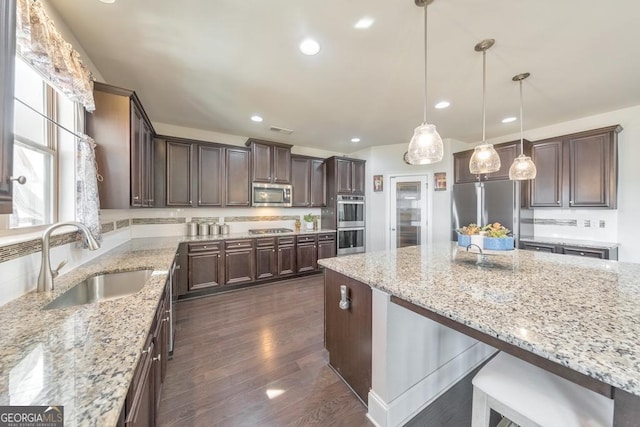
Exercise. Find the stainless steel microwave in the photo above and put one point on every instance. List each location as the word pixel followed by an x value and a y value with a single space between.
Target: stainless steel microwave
pixel 271 195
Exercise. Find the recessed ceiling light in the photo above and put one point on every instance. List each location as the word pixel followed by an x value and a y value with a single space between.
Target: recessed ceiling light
pixel 108 1
pixel 509 119
pixel 355 139
pixel 309 47
pixel 364 23
pixel 442 104
pixel 256 118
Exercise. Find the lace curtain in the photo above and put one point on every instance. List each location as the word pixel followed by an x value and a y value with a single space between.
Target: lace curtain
pixel 40 43
pixel 87 201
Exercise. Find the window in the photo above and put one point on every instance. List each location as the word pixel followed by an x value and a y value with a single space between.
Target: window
pixel 35 149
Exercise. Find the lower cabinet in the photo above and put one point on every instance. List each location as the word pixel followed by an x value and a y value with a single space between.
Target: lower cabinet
pixel 286 256
pixel 266 258
pixel 143 398
pixel 347 331
pixel 306 253
pixel 584 251
pixel 239 262
pixel 205 265
pixel 326 245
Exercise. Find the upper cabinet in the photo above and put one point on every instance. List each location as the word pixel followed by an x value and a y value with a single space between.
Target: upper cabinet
pixel 507 151
pixel 576 171
pixel 271 161
pixel 345 176
pixel 202 174
pixel 124 138
pixel 7 55
pixel 308 178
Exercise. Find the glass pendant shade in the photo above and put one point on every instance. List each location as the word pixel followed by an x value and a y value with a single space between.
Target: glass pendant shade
pixel 425 146
pixel 522 168
pixel 485 159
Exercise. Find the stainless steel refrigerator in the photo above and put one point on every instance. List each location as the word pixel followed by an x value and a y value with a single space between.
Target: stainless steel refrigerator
pixel 485 202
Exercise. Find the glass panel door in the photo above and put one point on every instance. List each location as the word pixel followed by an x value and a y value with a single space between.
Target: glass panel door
pixel 408 211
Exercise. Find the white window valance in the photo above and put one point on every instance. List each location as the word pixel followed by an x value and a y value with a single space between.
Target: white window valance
pixel 39 42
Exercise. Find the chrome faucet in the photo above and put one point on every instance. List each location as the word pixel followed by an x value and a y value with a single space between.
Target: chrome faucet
pixel 483 261
pixel 46 276
pixel 477 246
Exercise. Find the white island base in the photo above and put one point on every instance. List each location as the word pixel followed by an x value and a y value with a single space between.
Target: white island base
pixel 414 361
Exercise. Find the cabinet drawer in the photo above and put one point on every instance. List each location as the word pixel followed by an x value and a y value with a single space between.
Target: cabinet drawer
pixel 285 240
pixel 265 241
pixel 540 247
pixel 306 239
pixel 239 244
pixel 590 252
pixel 204 247
pixel 326 236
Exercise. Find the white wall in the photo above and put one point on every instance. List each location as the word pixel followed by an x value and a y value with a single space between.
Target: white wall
pixel 387 161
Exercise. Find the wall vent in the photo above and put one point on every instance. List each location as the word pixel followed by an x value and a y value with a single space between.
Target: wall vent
pixel 284 131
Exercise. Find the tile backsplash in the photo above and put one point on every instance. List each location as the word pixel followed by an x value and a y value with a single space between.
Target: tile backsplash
pixel 583 224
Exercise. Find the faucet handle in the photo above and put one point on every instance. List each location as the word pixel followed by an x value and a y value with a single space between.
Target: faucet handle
pixel 57 270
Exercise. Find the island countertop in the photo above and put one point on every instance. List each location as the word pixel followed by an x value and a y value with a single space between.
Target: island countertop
pixel 581 313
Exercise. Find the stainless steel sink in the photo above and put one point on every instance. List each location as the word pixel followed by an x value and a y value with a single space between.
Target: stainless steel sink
pixel 101 288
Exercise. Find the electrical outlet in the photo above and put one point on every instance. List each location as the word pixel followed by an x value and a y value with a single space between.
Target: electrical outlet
pixel 602 223
pixel 587 223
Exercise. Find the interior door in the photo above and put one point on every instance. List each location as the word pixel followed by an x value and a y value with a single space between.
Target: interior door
pixel 408 216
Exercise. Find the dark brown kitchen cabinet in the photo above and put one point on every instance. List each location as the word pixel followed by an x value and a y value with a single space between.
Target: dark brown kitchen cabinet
pixel 286 256
pixel 266 258
pixel 546 189
pixel 7 84
pixel 539 247
pixel 604 252
pixel 179 173
pixel 210 176
pixel 345 176
pixel 576 171
pixel 326 245
pixel 160 347
pixel 205 265
pixel 347 331
pixel 124 138
pixel 271 161
pixel 237 192
pixel 507 151
pixel 239 266
pixel 306 253
pixel 308 179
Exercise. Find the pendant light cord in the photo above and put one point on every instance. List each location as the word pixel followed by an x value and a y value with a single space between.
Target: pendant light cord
pixel 425 64
pixel 521 124
pixel 484 94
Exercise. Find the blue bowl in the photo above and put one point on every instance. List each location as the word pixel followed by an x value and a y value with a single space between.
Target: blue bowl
pixel 464 240
pixel 498 243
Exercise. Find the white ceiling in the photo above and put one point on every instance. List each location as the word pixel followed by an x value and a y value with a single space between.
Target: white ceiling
pixel 211 64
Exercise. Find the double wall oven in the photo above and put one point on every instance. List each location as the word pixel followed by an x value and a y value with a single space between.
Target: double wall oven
pixel 350 221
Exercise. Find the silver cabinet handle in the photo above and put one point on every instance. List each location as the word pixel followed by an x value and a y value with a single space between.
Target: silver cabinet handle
pixel 344 300
pixel 157 358
pixel 570 202
pixel 558 202
pixel 19 179
pixel 582 253
pixel 147 350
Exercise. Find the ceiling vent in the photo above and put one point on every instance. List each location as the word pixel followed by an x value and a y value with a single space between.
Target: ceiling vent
pixel 283 131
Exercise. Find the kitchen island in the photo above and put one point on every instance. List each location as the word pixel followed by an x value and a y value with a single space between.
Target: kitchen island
pixel 576 317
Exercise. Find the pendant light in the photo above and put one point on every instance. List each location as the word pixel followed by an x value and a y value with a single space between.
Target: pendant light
pixel 426 145
pixel 485 158
pixel 522 167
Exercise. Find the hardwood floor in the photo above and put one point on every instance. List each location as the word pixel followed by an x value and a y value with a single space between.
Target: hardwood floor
pixel 255 357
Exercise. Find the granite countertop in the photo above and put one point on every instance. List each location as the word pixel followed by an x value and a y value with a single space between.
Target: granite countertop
pixel 82 357
pixel 571 242
pixel 581 313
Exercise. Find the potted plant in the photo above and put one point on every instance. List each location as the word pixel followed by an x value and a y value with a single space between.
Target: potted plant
pixel 465 235
pixel 309 219
pixel 496 237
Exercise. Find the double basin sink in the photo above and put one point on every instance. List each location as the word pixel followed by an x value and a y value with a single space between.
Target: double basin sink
pixel 102 287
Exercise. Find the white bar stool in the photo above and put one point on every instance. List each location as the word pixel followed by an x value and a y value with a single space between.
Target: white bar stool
pixel 531 396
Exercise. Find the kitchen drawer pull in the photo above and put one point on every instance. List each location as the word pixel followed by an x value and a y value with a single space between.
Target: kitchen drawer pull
pixel 146 351
pixel 157 358
pixel 582 253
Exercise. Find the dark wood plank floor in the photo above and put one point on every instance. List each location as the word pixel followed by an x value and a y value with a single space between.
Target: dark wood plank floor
pixel 256 357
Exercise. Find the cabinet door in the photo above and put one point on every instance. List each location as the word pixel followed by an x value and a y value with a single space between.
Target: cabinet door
pixel 204 270
pixel 591 174
pixel 343 176
pixel 326 249
pixel 261 162
pixel 318 185
pixel 281 173
pixel 540 247
pixel 357 177
pixel 266 262
pixel 239 267
pixel 139 405
pixel 461 171
pixel 306 257
pixel 7 83
pixel 348 331
pixel 210 175
pixel 546 189
pixel 179 166
pixel 137 156
pixel 160 351
pixel 237 177
pixel 147 167
pixel 585 252
pixel 286 260
pixel 507 154
pixel 300 180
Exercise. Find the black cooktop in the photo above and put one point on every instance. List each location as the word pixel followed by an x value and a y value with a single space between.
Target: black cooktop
pixel 270 230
